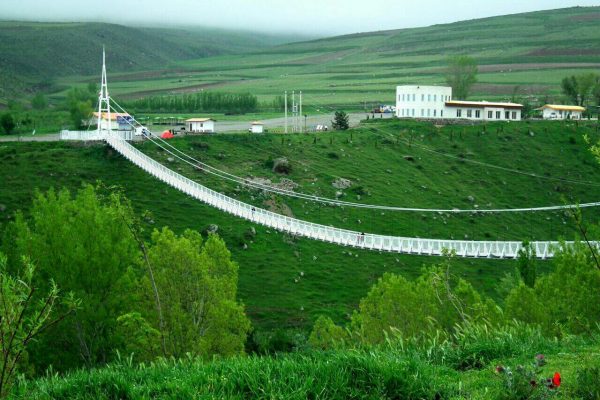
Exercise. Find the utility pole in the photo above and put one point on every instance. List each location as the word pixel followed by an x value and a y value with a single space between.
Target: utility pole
pixel 300 112
pixel 294 110
pixel 286 110
pixel 104 98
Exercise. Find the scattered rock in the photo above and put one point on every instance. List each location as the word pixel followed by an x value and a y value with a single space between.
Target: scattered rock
pixel 342 183
pixel 471 198
pixel 409 158
pixel 339 194
pixel 282 166
pixel 170 159
pixel 389 171
pixel 212 228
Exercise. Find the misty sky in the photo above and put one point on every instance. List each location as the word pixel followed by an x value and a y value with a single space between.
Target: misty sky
pixel 312 17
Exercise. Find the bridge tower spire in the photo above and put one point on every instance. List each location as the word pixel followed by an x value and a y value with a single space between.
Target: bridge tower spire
pixel 104 101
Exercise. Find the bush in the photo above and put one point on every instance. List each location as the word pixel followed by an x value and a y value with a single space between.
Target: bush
pixel 282 166
pixel 587 382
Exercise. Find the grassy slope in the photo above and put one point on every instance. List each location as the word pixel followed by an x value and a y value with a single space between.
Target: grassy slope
pixel 530 52
pixel 36 53
pixel 390 373
pixel 335 278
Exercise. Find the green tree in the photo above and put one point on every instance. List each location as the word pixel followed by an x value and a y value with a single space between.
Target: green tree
pixel 327 335
pixel 7 122
pixel 341 121
pixel 461 75
pixel 25 315
pixel 84 244
pixel 436 301
pixel 39 102
pixel 79 103
pixel 526 264
pixel 579 88
pixel 565 299
pixel 197 282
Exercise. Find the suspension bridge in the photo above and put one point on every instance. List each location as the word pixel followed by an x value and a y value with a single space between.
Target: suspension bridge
pixel 311 230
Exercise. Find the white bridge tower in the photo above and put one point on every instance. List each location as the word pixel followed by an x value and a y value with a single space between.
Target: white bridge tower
pixel 104 102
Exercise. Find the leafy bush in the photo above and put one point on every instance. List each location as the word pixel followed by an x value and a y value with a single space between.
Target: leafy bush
pixel 587 382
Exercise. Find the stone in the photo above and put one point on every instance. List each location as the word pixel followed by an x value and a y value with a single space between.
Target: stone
pixel 342 183
pixel 212 228
pixel 170 159
pixel 471 198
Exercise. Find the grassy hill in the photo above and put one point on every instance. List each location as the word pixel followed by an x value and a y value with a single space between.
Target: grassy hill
pixel 287 281
pixel 36 53
pixel 522 55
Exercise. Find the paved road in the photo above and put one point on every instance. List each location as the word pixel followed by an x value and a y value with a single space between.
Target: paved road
pixel 221 126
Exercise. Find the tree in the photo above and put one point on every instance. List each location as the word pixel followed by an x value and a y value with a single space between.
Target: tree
pixel 436 301
pixel 83 244
pixel 79 103
pixel 579 88
pixel 526 264
pixel 197 282
pixel 461 75
pixel 7 122
pixel 340 121
pixel 327 335
pixel 25 315
pixel 39 102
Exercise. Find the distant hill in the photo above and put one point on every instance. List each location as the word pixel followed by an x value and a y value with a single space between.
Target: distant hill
pixel 32 54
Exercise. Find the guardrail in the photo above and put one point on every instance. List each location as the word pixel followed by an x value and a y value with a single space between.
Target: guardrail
pixel 344 237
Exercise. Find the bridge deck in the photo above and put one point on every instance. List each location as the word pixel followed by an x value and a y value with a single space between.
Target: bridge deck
pixel 344 237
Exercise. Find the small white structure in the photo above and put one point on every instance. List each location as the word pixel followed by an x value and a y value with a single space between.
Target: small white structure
pixel 557 111
pixel 435 102
pixel 118 121
pixel 257 127
pixel 200 125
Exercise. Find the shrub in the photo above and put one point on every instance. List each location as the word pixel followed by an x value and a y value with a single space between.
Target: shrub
pixel 587 382
pixel 282 166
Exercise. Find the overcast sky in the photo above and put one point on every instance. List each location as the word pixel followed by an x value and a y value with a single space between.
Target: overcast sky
pixel 313 17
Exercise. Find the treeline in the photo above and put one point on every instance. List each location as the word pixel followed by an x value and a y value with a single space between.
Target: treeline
pixel 197 102
pixel 213 102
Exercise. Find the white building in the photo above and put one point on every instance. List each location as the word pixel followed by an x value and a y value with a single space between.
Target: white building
pixel 557 111
pixel 118 121
pixel 200 125
pixel 435 102
pixel 257 127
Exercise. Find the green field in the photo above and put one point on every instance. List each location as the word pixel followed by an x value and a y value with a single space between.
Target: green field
pixel 523 55
pixel 445 173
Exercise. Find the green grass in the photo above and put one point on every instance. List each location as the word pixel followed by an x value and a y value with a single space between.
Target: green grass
pixel 408 371
pixel 372 156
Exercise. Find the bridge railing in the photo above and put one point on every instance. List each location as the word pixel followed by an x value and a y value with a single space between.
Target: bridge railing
pixel 344 237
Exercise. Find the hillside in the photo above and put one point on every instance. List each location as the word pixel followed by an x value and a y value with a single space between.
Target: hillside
pixel 37 53
pixel 523 55
pixel 287 281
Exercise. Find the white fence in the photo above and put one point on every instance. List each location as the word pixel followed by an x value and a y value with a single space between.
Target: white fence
pixel 436 247
pixel 94 135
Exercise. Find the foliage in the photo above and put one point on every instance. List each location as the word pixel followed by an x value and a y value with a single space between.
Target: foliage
pixel 528 381
pixel 7 122
pixel 579 88
pixel 136 337
pixel 197 283
pixel 461 76
pixel 39 102
pixel 588 380
pixel 25 315
pixel 436 301
pixel 563 300
pixel 79 103
pixel 326 334
pixel 340 121
pixel 203 101
pixel 84 244
pixel 526 264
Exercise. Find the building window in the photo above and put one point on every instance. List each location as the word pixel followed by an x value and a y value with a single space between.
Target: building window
pixel 469 113
pixel 514 115
pixel 441 113
pixel 490 115
pixel 413 112
pixel 428 97
pixel 413 97
pixel 506 114
pixel 429 112
pixel 434 113
pixel 422 112
pixel 423 97
pixel 458 113
pixel 435 97
pixel 498 115
pixel 477 114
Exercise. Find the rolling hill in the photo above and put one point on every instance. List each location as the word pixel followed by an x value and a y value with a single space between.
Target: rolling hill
pixel 33 54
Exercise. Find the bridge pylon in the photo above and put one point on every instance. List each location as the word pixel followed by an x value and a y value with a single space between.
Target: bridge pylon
pixel 104 124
